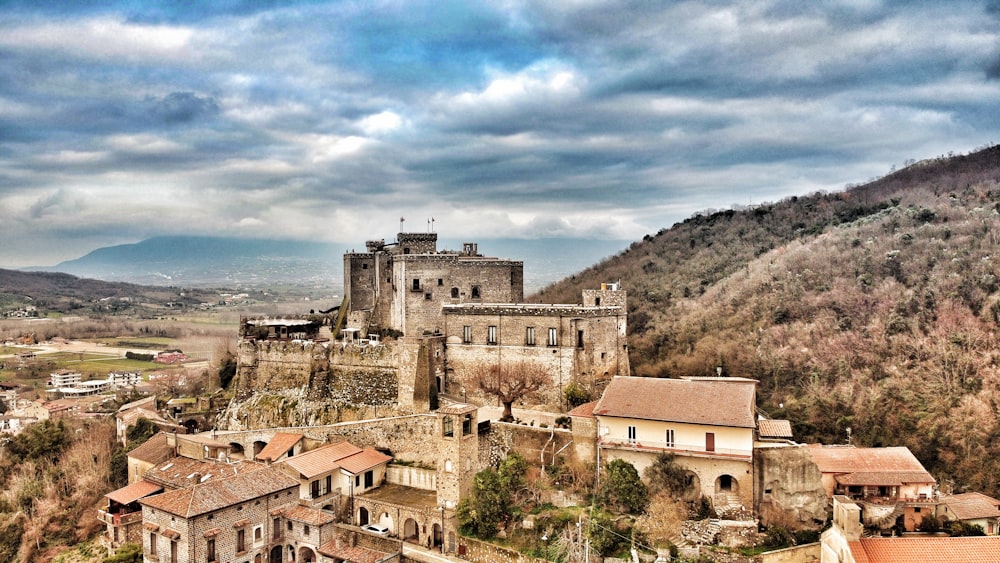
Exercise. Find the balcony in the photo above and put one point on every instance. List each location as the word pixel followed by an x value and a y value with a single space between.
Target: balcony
pixel 676 449
pixel 118 519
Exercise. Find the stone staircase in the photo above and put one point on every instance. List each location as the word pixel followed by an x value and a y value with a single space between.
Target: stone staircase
pixel 699 532
pixel 881 516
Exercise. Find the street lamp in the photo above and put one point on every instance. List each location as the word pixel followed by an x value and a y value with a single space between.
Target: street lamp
pixel 442 528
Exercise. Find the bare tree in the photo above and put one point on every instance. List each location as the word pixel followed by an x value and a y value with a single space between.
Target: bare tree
pixel 507 381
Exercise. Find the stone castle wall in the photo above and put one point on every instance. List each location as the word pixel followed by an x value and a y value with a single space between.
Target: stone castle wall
pixel 789 488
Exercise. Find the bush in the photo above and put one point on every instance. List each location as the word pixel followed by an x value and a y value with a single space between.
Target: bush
pixel 622 490
pixel 930 524
pixel 128 553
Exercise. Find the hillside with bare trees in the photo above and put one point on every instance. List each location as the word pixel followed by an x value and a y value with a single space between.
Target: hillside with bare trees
pixel 871 312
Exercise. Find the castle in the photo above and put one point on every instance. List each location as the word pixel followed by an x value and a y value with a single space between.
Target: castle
pixel 443 312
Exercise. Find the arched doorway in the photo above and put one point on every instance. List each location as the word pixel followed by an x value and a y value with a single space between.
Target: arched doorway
pixel 437 535
pixel 692 486
pixel 258 446
pixel 235 450
pixel 275 556
pixel 257 559
pixel 411 531
pixel 451 542
pixel 362 516
pixel 726 484
pixel 307 555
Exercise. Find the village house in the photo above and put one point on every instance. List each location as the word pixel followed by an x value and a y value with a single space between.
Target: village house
pixel 888 483
pixel 974 509
pixel 708 424
pixel 329 472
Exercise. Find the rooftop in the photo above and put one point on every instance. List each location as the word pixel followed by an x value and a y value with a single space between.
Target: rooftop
pixel 182 472
pixel 323 459
pixel 969 506
pixel 774 429
pixel 870 466
pixel 253 481
pixel 278 446
pixel 969 549
pixel 154 450
pixel 718 401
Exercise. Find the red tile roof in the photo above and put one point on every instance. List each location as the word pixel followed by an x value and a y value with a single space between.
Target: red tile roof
pixel 894 465
pixel 585 410
pixel 308 515
pixel 134 492
pixel 774 429
pixel 323 459
pixel 719 401
pixel 181 472
pixel 363 461
pixel 970 506
pixel 252 482
pixel 927 548
pixel 154 450
pixel 278 446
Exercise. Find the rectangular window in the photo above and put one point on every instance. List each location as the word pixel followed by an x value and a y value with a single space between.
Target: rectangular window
pixel 314 489
pixel 631 434
pixel 579 339
pixel 210 549
pixel 670 438
pixel 427 296
pixel 491 334
pixel 553 340
pixel 173 552
pixel 467 425
pixel 152 543
pixel 276 526
pixel 475 292
pixel 709 441
pixel 448 431
pixel 329 483
pixel 369 479
pixel 416 284
pixel 529 336
pixel 440 282
pixel 241 540
pixel 467 334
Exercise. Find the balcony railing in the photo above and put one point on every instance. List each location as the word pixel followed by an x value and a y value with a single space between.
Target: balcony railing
pixel 674 448
pixel 117 519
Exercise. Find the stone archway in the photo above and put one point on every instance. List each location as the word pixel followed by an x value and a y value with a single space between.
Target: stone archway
pixel 726 484
pixel 411 532
pixel 437 535
pixel 258 446
pixel 276 554
pixel 363 517
pixel 692 486
pixel 236 450
pixel 306 555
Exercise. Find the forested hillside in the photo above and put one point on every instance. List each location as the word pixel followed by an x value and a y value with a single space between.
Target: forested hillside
pixel 874 309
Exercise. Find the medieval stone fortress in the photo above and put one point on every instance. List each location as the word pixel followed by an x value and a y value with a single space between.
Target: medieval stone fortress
pixel 354 433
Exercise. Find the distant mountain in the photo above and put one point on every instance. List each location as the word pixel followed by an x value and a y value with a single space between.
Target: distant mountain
pixel 60 292
pixel 194 261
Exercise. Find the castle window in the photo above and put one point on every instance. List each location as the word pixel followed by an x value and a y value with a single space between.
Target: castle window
pixel 553 337
pixel 447 430
pixel 467 425
pixel 579 339
pixel 454 293
pixel 406 250
pixel 467 334
pixel 491 334
pixel 416 284
pixel 427 296
pixel 597 302
pixel 475 292
pixel 305 530
pixel 529 336
pixel 440 282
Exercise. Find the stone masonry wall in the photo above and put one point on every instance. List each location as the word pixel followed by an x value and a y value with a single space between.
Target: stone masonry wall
pixel 789 487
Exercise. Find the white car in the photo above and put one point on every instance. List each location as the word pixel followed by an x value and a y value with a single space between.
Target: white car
pixel 377 529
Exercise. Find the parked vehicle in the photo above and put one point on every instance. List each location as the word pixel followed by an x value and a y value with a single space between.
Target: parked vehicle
pixel 377 529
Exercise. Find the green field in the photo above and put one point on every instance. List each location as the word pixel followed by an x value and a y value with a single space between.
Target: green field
pixel 155 342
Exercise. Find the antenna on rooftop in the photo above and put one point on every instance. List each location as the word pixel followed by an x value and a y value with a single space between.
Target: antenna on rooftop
pixel 401 220
pixel 432 224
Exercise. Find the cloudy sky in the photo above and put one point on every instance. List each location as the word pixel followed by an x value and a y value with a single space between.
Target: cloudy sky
pixel 574 118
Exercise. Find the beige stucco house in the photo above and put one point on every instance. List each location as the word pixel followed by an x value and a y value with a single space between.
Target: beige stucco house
pixel 707 423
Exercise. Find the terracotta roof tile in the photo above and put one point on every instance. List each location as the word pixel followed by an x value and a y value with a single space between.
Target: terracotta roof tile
pixel 457 408
pixel 154 450
pixel 308 515
pixel 134 492
pixel 896 465
pixel 278 446
pixel 363 461
pixel 969 506
pixel 253 481
pixel 181 472
pixel 585 410
pixel 927 548
pixel 321 460
pixel 774 429
pixel 719 401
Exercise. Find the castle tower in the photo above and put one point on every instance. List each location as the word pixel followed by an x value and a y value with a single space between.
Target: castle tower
pixel 458 452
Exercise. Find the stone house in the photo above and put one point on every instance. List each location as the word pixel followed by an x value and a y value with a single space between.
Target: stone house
pixel 234 518
pixel 708 424
pixel 975 509
pixel 888 483
pixel 329 473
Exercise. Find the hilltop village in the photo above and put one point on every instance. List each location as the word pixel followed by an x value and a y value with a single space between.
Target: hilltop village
pixel 355 434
